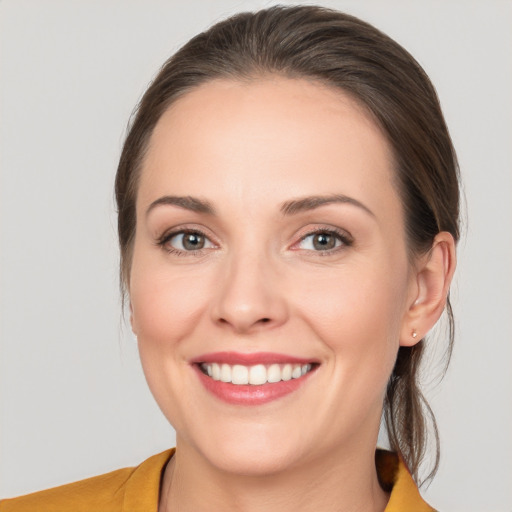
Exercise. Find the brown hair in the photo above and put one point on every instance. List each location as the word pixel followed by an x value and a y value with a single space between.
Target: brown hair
pixel 346 53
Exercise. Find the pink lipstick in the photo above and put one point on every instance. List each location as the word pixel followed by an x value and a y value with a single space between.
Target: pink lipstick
pixel 252 379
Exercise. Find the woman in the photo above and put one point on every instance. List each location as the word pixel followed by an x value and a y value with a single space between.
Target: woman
pixel 288 213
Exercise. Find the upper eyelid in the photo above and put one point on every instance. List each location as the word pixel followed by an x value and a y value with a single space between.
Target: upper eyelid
pixel 177 230
pixel 346 242
pixel 163 241
pixel 346 237
pixel 342 233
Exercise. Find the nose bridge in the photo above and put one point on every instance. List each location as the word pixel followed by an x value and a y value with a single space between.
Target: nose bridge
pixel 249 295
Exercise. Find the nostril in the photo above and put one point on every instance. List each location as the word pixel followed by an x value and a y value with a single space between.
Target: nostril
pixel 265 320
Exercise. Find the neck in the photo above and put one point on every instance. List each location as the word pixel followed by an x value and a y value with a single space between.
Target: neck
pixel 341 482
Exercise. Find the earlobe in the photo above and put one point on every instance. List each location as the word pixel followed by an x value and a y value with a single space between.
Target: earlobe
pixel 433 277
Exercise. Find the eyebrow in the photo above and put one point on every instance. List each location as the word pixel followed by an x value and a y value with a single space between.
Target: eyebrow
pixel 193 204
pixel 288 208
pixel 311 202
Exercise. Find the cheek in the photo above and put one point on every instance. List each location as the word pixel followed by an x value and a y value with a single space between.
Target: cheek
pixel 165 305
pixel 358 316
pixel 362 301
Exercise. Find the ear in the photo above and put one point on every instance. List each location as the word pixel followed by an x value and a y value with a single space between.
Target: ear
pixel 430 285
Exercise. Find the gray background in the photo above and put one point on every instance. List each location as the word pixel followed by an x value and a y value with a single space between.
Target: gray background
pixel 74 402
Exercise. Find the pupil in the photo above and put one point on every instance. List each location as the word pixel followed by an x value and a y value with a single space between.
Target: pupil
pixel 193 241
pixel 323 241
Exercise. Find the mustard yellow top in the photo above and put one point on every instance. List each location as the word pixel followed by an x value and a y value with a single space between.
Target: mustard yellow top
pixel 137 490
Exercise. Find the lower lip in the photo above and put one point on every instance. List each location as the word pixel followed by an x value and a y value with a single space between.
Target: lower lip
pixel 248 394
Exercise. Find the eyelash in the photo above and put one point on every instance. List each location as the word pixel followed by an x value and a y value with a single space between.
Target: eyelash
pixel 166 237
pixel 345 239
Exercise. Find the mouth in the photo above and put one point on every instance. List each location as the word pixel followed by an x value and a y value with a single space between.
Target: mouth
pixel 256 375
pixel 252 379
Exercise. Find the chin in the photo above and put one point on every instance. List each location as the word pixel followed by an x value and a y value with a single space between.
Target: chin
pixel 254 461
pixel 252 451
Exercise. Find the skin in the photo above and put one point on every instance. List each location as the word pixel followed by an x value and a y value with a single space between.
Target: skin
pixel 259 284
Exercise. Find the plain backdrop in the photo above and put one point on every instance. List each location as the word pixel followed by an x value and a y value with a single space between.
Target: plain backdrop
pixel 74 402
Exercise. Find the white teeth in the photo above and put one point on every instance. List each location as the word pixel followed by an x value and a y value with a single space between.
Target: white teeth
pixel 274 373
pixel 240 374
pixel 286 374
pixel 225 373
pixel 255 375
pixel 296 372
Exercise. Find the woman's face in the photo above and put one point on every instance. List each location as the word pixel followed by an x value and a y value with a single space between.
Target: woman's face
pixel 270 241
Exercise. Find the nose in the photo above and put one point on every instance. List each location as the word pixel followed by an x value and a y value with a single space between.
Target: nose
pixel 250 295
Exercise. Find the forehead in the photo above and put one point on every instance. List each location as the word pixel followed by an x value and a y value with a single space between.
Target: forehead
pixel 267 138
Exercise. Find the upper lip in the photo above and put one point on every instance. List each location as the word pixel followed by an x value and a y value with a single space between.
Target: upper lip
pixel 250 359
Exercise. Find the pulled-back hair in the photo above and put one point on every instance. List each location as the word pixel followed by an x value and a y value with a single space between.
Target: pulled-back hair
pixel 346 53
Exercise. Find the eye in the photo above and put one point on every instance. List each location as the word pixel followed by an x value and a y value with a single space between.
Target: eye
pixel 186 241
pixel 324 240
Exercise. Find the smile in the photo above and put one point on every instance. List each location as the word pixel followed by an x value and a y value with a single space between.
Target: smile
pixel 252 379
pixel 257 375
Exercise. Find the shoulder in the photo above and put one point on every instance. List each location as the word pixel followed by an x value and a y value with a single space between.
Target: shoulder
pixel 394 477
pixel 127 489
pixel 104 492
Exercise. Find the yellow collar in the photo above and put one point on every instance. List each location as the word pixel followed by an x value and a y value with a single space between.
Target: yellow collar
pixel 142 494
